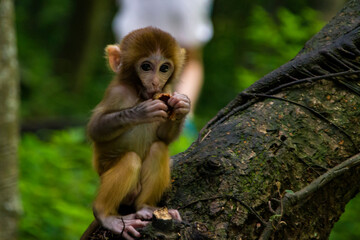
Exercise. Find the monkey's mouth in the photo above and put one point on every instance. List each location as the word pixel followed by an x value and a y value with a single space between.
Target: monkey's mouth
pixel 145 94
pixel 149 95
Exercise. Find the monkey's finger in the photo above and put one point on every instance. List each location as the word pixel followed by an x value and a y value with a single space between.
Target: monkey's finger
pixel 135 223
pixel 144 215
pixel 146 103
pixel 129 216
pixel 181 112
pixel 178 98
pixel 156 119
pixel 149 100
pixel 132 228
pixel 158 114
pixel 182 104
pixel 140 224
pixel 133 231
pixel 127 236
pixel 176 94
pixel 159 120
pixel 158 105
pixel 175 214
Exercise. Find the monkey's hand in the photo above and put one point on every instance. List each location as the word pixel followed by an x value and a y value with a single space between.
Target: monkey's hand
pixel 147 213
pixel 151 111
pixel 175 214
pixel 181 105
pixel 124 224
pixel 170 130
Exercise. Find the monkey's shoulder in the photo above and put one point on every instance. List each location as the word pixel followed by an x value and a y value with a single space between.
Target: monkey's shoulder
pixel 120 96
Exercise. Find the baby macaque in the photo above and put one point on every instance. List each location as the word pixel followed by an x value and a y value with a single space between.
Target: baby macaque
pixel 133 125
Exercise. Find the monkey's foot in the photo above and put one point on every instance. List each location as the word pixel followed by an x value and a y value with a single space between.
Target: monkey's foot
pixel 145 213
pixel 175 214
pixel 125 225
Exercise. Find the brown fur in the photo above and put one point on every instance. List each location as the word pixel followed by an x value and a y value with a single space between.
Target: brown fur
pixel 131 159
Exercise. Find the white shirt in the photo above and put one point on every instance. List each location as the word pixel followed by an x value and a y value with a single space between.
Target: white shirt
pixel 188 21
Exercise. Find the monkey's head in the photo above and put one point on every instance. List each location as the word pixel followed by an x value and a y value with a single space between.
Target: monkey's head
pixel 149 59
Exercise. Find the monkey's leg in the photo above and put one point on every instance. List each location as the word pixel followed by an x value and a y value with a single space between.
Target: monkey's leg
pixel 155 178
pixel 116 184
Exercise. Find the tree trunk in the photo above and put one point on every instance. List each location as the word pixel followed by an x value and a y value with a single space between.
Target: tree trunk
pixel 9 197
pixel 281 160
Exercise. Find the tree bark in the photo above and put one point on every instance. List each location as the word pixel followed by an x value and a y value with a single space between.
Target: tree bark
pixel 282 159
pixel 9 197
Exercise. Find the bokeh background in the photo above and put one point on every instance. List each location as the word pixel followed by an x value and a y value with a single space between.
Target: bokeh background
pixel 63 76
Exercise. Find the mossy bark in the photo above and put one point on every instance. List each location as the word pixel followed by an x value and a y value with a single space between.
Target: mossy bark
pixel 284 134
pixel 10 206
pixel 266 142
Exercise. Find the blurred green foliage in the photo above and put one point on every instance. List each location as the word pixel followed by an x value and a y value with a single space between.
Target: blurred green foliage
pixel 39 34
pixel 348 227
pixel 279 39
pixel 43 33
pixel 57 185
pixel 57 181
pixel 246 46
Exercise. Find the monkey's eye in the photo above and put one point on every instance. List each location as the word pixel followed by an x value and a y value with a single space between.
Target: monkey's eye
pixel 146 67
pixel 164 68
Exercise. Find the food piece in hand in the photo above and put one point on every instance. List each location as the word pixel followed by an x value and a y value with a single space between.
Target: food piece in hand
pixel 162 213
pixel 165 98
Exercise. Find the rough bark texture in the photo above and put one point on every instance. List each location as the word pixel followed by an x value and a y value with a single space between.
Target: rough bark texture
pixel 9 198
pixel 267 166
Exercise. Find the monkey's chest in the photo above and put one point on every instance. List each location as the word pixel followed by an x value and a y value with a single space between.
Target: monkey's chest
pixel 139 139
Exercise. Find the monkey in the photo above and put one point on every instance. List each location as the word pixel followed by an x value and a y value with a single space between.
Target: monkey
pixel 130 130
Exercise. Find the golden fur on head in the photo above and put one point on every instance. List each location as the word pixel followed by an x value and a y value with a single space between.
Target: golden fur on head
pixel 142 43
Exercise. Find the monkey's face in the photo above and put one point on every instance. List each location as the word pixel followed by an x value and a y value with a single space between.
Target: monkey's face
pixel 153 71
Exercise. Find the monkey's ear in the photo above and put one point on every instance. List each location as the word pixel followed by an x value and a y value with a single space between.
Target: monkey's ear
pixel 183 52
pixel 113 56
pixel 182 57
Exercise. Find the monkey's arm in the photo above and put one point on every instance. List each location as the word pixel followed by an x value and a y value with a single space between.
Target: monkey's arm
pixel 170 130
pixel 107 126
